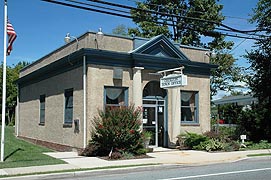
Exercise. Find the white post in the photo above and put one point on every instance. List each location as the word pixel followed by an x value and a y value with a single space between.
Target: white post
pixel 85 100
pixel 4 85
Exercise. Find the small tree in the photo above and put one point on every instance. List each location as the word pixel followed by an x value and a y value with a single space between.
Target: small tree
pixel 257 121
pixel 118 130
pixel 11 89
pixel 120 30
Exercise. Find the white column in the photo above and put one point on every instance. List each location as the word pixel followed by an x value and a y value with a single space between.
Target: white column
pixel 175 114
pixel 137 89
pixel 137 86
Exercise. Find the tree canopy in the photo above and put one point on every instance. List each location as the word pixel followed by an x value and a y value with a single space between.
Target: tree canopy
pixel 120 30
pixel 184 21
pixel 11 89
pixel 187 22
pixel 257 121
pixel 260 58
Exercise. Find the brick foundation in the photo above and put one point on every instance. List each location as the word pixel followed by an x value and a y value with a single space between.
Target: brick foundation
pixel 50 145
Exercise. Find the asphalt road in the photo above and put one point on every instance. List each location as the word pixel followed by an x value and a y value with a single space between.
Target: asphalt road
pixel 250 169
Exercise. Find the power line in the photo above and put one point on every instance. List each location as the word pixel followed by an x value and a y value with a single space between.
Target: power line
pixel 234 17
pixel 127 12
pixel 102 7
pixel 200 12
pixel 238 45
pixel 197 19
pixel 173 15
pixel 132 8
pixel 86 8
pixel 129 16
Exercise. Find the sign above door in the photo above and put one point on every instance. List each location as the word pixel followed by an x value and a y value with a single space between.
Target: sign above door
pixel 175 79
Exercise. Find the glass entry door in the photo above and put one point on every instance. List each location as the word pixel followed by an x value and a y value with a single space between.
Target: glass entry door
pixel 153 120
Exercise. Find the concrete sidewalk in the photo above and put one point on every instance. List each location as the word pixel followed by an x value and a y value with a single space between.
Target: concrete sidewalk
pixel 159 156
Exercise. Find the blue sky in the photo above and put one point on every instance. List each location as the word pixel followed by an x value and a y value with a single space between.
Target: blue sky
pixel 41 26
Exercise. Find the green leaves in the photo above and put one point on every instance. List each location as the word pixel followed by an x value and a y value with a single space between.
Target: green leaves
pixel 262 15
pixel 11 88
pixel 226 74
pixel 211 145
pixel 183 21
pixel 255 122
pixel 260 82
pixel 118 129
pixel 193 139
pixel 187 22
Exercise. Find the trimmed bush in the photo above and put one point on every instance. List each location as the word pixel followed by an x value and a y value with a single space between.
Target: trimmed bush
pixel 193 139
pixel 118 130
pixel 90 150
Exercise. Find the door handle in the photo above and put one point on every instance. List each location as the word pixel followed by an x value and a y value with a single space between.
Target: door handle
pixel 160 129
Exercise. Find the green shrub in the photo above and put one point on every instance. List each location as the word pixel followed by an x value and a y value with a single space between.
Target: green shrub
pixel 229 132
pixel 118 129
pixel 263 144
pixel 142 151
pixel 222 132
pixel 193 139
pixel 116 155
pixel 90 150
pixel 209 141
pixel 255 122
pixel 210 145
pixel 127 155
pixel 213 134
pixel 232 146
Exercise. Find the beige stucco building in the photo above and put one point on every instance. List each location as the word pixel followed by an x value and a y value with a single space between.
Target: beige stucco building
pixel 60 93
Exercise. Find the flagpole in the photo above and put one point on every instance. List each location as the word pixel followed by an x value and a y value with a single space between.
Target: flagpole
pixel 4 84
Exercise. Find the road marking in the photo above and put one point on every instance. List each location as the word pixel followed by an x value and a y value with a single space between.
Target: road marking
pixel 218 174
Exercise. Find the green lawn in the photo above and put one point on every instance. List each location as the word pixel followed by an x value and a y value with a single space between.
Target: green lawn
pixel 19 153
pixel 258 155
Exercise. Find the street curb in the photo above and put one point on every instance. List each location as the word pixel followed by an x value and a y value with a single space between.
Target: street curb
pixel 73 172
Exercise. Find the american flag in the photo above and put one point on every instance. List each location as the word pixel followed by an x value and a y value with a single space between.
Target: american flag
pixel 11 36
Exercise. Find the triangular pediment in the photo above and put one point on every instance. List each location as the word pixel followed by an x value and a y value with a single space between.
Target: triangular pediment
pixel 160 46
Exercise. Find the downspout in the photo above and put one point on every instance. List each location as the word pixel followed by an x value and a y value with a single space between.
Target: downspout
pixel 85 101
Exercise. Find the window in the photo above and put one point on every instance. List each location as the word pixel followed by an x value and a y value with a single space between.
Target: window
pixel 189 107
pixel 152 88
pixel 116 96
pixel 68 114
pixel 42 110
